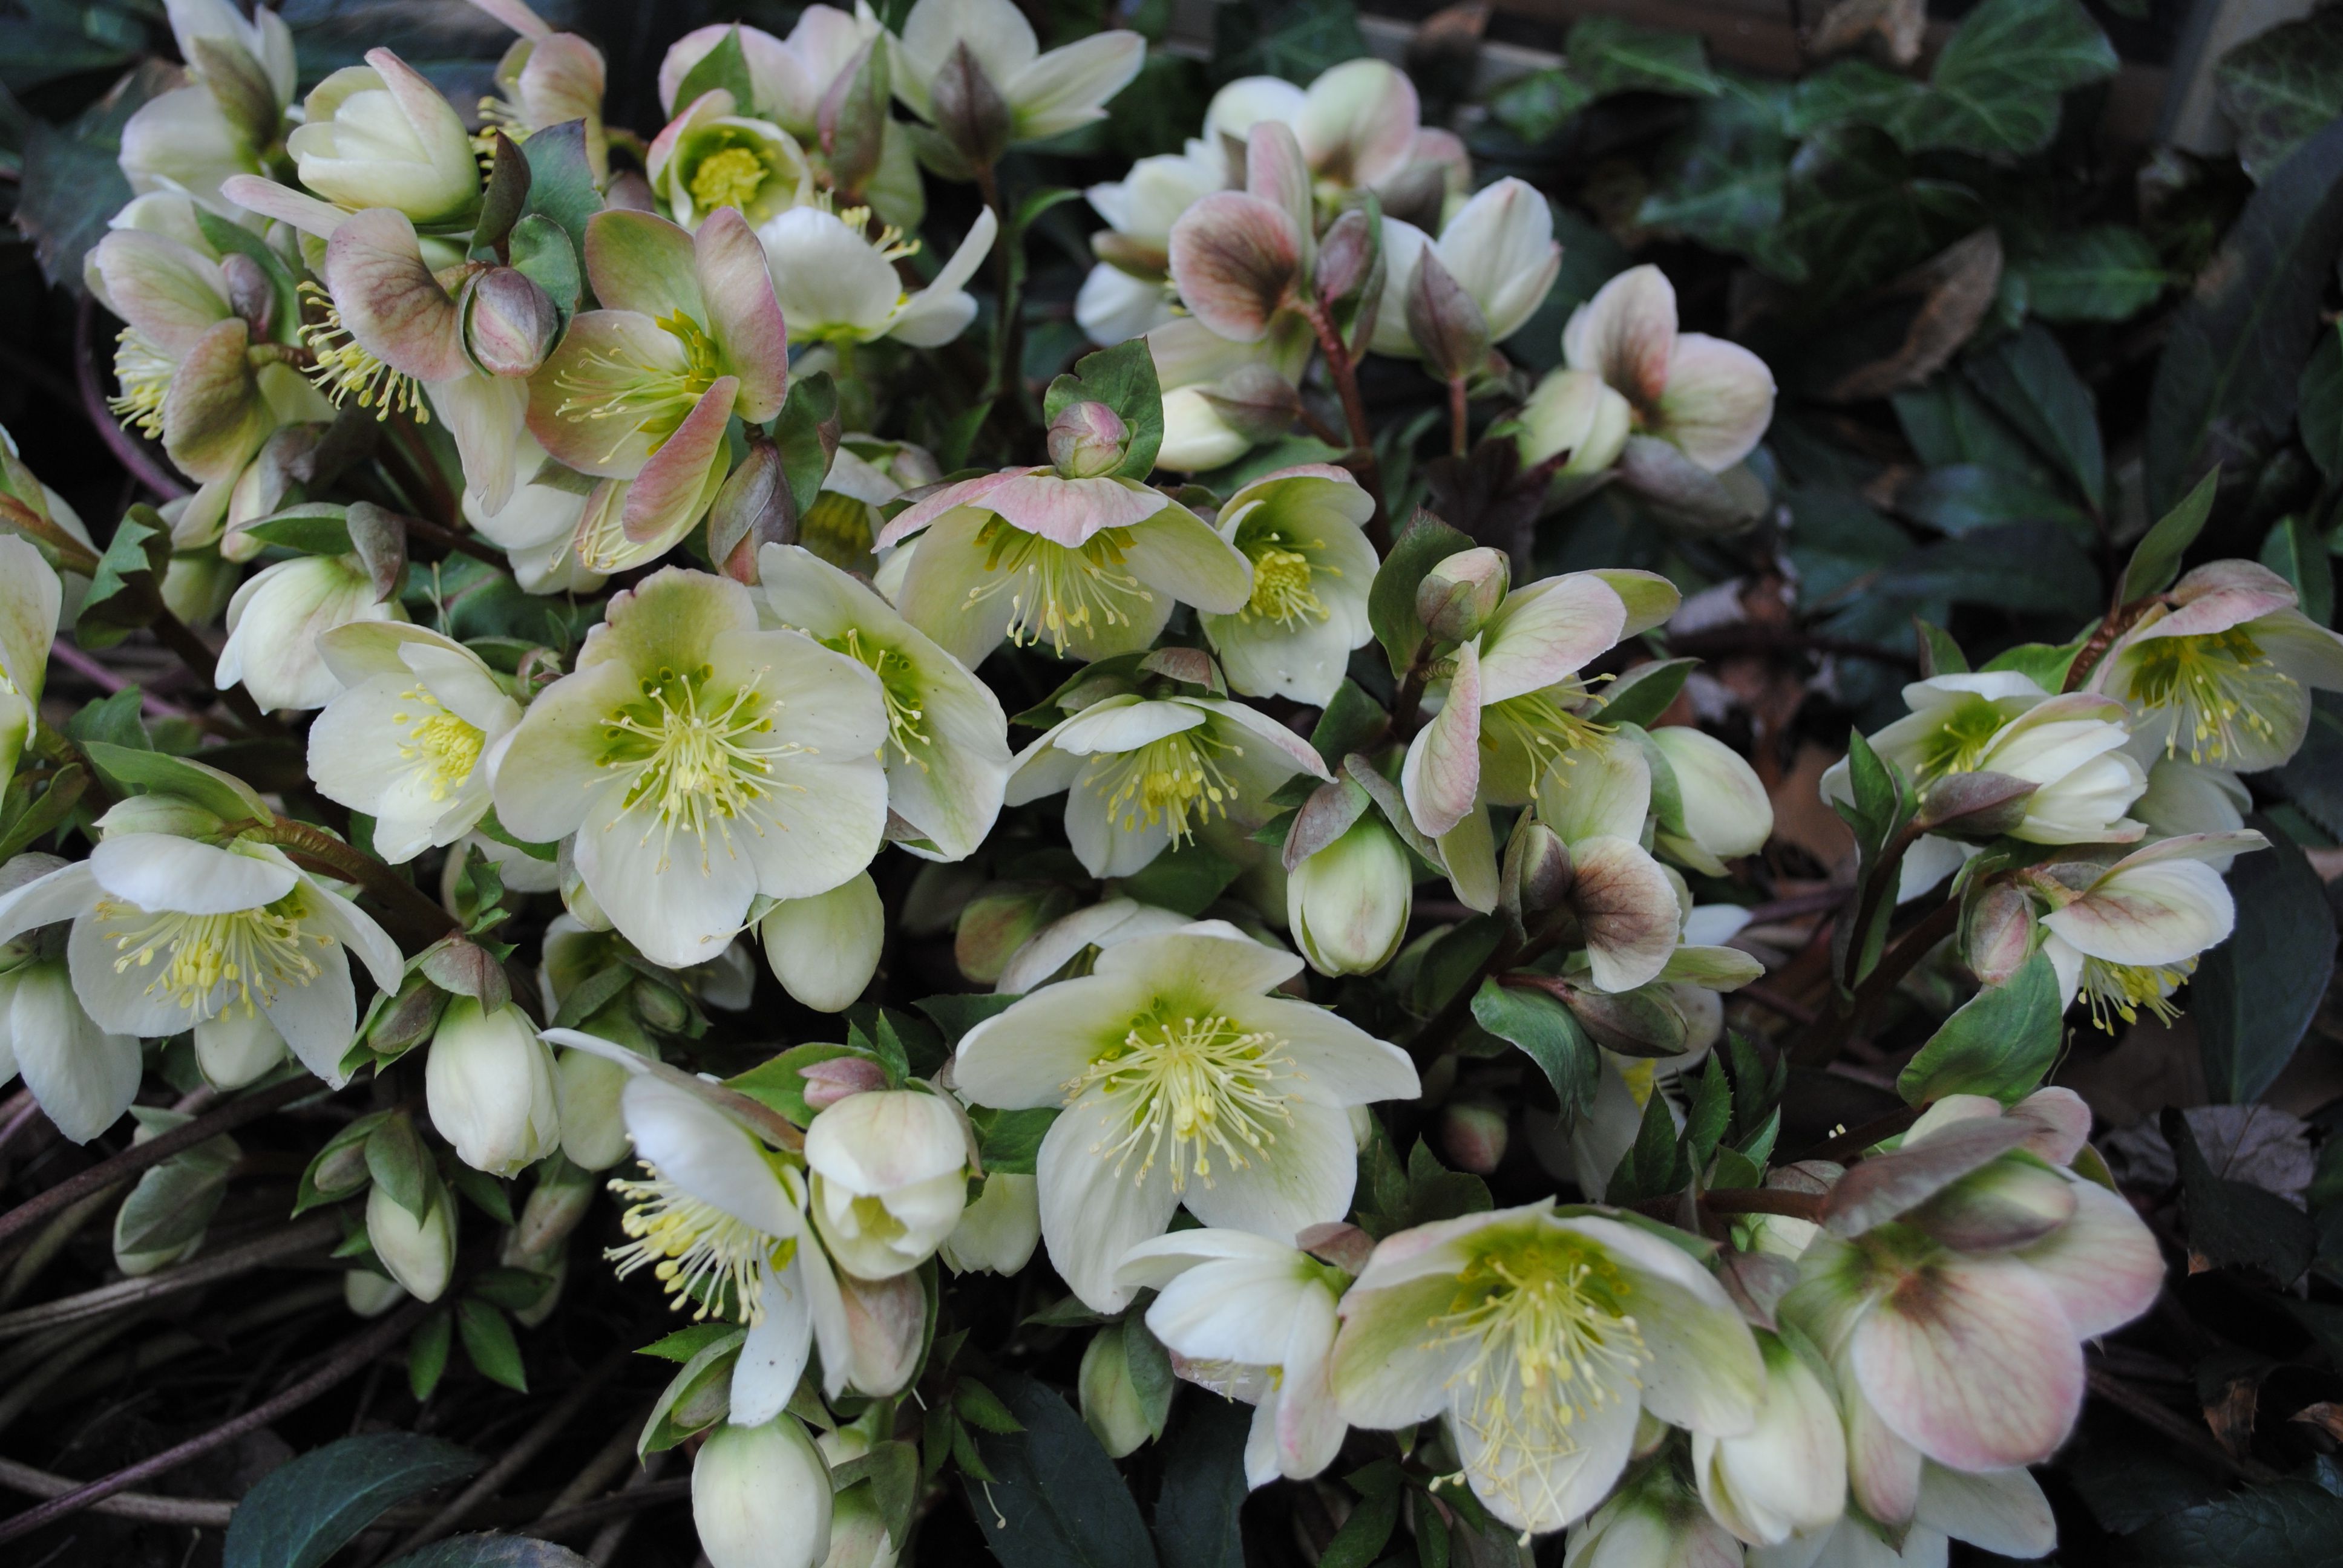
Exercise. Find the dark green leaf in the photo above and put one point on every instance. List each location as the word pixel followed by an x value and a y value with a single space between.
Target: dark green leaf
pixel 515 1290
pixel 488 1342
pixel 2255 995
pixel 2235 1224
pixel 1546 1033
pixel 1967 497
pixel 427 1355
pixel 26 827
pixel 685 1344
pixel 956 1015
pixel 489 1196
pixel 1725 184
pixel 122 597
pixel 1710 1114
pixel 807 433
pixel 1011 1140
pixel 303 1512
pixel 1124 378
pixel 1149 1366
pixel 113 720
pixel 1838 543
pixel 561 180
pixel 1186 880
pixel 779 1083
pixel 1643 693
pixel 1611 55
pixel 401 1166
pixel 1855 214
pixel 503 197
pixel 1391 601
pixel 892 1471
pixel 2155 559
pixel 981 1408
pixel 2313 779
pixel 1351 720
pixel 1995 89
pixel 2107 272
pixel 1056 1501
pixel 2018 567
pixel 1536 106
pixel 1203 1487
pixel 1653 1166
pixel 541 250
pixel 2225 387
pixel 1360 1539
pixel 1296 39
pixel 2028 379
pixel 2293 1523
pixel 2295 550
pixel 73 183
pixel 2000 1042
pixel 493 1551
pixel 2281 87
pixel 1853 91
pixel 2319 413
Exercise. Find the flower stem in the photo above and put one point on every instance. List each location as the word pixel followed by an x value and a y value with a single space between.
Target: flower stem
pixel 1808 1206
pixel 1344 371
pixel 1008 372
pixel 316 849
pixel 1820 1048
pixel 1459 418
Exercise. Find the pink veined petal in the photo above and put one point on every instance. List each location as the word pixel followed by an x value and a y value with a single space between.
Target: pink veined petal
pixel 1441 776
pixel 2063 1120
pixel 675 477
pixel 926 510
pixel 1972 1362
pixel 1628 334
pixel 1718 400
pixel 742 314
pixel 1626 910
pixel 1069 511
pixel 1546 632
pixel 388 298
pixel 1234 256
pixel 1276 172
pixel 640 261
pixel 2103 1264
pixel 2159 912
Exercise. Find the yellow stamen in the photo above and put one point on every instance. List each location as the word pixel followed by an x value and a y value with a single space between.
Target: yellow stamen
pixel 896 688
pixel 1180 1091
pixel 2205 681
pixel 215 964
pixel 697 1252
pixel 1057 591
pixel 2121 991
pixel 345 371
pixel 612 382
pixel 730 177
pixel 1546 731
pixel 1281 589
pixel 1178 778
pixel 701 761
pixel 144 373
pixel 443 748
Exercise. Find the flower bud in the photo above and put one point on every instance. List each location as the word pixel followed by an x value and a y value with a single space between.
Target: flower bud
pixel 999 1231
pixel 275 619
pixel 1347 905
pixel 379 135
pixel 1537 871
pixel 1087 439
pixel 489 1083
pixel 968 108
pixel 1253 400
pixel 586 1089
pixel 1111 1403
pixel 1724 810
pixel 1345 254
pixel 661 1007
pixel 1787 1475
pixel 828 1082
pixel 1445 322
pixel 857 1530
pixel 760 1497
pixel 1572 412
pixel 1997 934
pixel 889 1178
pixel 1458 595
pixel 1473 1133
pixel 235 1047
pixel 408 1019
pixel 824 949
pixel 886 1323
pixel 369 1295
pixel 249 293
pixel 419 1253
pixel 998 921
pixel 509 322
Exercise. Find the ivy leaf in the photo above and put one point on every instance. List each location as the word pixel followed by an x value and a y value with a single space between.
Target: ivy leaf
pixel 1996 87
pixel 2108 272
pixel 1610 56
pixel 303 1512
pixel 1536 106
pixel 2281 87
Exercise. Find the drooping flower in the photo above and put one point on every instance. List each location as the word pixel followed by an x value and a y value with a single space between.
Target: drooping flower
pixel 2222 667
pixel 1541 1337
pixel 1710 398
pixel 1183 1085
pixel 404 740
pixel 31 598
pixel 701 762
pixel 1143 775
pixel 1787 1475
pixel 1242 259
pixel 2126 936
pixel 488 1082
pixel 1312 567
pixel 277 619
pixel 1221 396
pixel 379 135
pixel 1719 810
pixel 1499 249
pixel 83 1077
pixel 974 70
pixel 1253 1318
pixel 947 747
pixel 641 391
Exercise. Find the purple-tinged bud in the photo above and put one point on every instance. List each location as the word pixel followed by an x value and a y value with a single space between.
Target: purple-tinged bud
pixel 249 293
pixel 1446 322
pixel 509 322
pixel 1343 256
pixel 1473 1133
pixel 828 1082
pixel 1997 934
pixel 1458 595
pixel 970 110
pixel 1087 439
pixel 1537 871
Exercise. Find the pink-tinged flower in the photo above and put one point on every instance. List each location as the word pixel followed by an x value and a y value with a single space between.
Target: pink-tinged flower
pixel 2221 668
pixel 380 135
pixel 2127 935
pixel 1498 252
pixel 1953 1286
pixel 1312 567
pixel 1710 398
pixel 1241 258
pixel 1093 566
pixel 643 391
pixel 975 69
pixel 1128 292
pixel 709 156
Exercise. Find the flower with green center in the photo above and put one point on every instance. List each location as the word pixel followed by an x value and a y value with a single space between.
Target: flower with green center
pixel 277 618
pixel 890 1178
pixel 1144 775
pixel 172 929
pixel 1543 1337
pixel 641 392
pixel 701 762
pixel 2220 670
pixel 1312 567
pixel 947 747
pixel 404 740
pixel 1091 567
pixel 2124 936
pixel 711 156
pixel 1183 1085
pixel 837 281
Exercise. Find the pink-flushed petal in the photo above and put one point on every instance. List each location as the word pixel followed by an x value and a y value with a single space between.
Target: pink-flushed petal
pixel 673 484
pixel 2217 608
pixel 1627 911
pixel 1883 1471
pixel 1069 511
pixel 564 80
pixel 1276 172
pixel 2231 576
pixel 1359 122
pixel 743 317
pixel 1277 737
pixel 2062 1120
pixel 1546 632
pixel 430 118
pixel 285 204
pixel 170 291
pixel 596 365
pixel 1234 259
pixel 928 508
pixel 1627 335
pixel 2159 913
pixel 640 261
pixel 2103 1264
pixel 388 298
pixel 1718 400
pixel 1441 776
pixel 1972 1360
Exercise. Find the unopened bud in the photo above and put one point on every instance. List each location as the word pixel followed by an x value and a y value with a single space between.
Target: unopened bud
pixel 970 110
pixel 1110 1402
pixel 509 322
pixel 1446 322
pixel 488 1082
pixel 1537 871
pixel 1348 905
pixel 369 1295
pixel 1458 595
pixel 660 1008
pixel 1473 1133
pixel 249 293
pixel 1345 254
pixel 587 1088
pixel 828 1082
pixel 1646 1022
pixel 886 1325
pixel 824 949
pixel 1997 934
pixel 1087 439
pixel 994 924
pixel 419 1253
pixel 760 1496
pixel 409 1018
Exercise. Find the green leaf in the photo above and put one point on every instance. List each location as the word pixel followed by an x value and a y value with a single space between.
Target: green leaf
pixel 401 1166
pixel 1854 214
pixel 1536 106
pixel 2225 389
pixel 224 237
pixel 1966 497
pixel 1124 378
pixel 981 1408
pixel 685 1344
pixel 1643 693
pixel 138 772
pixel 2313 779
pixel 1391 600
pixel 1611 55
pixel 123 596
pixel 1995 89
pixel 541 251
pixel 1653 1166
pixel 1009 1141
pixel 40 816
pixel 73 182
pixel 2295 550
pixel 2293 1523
pixel 561 181
pixel 1186 880
pixel 2045 664
pixel 489 1344
pixel 1297 40
pixel 892 1471
pixel 2319 413
pixel 1725 184
pixel 2254 996
pixel 1055 1501
pixel 2281 87
pixel 1361 1540
pixel 1203 1487
pixel 1546 1033
pixel 113 720
pixel 2016 567
pixel 491 1551
pixel 1710 1113
pixel 427 1355
pixel 1149 1365
pixel 2108 272
pixel 956 1015
pixel 515 1290
pixel 806 432
pixel 781 1083
pixel 1351 721
pixel 2155 559
pixel 2029 381
pixel 2000 1042
pixel 723 68
pixel 1851 91
pixel 302 1513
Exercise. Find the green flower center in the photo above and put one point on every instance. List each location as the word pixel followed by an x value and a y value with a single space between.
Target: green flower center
pixel 251 953
pixel 1958 742
pixel 837 527
pixel 702 760
pixel 443 748
pixel 1178 778
pixel 898 685
pixel 2208 681
pixel 636 394
pixel 1281 589
pixel 1542 728
pixel 1185 1092
pixel 730 177
pixel 1056 591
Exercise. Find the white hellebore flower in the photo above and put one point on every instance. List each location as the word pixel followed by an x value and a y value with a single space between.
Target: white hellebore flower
pixel 169 933
pixel 1499 249
pixel 1718 810
pixel 1312 567
pixel 1253 1318
pixel 760 1496
pixel 1143 775
pixel 1127 293
pixel 2131 932
pixel 1543 1337
pixel 276 619
pixel 1787 1475
pixel 1182 1084
pixel 890 1178
pixel 824 949
pixel 419 1253
pixel 836 285
pixel 1710 398
pixel 947 747
pixel 404 740
pixel 488 1085
pixel 379 135
pixel 701 761
pixel 84 1077
pixel 975 69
